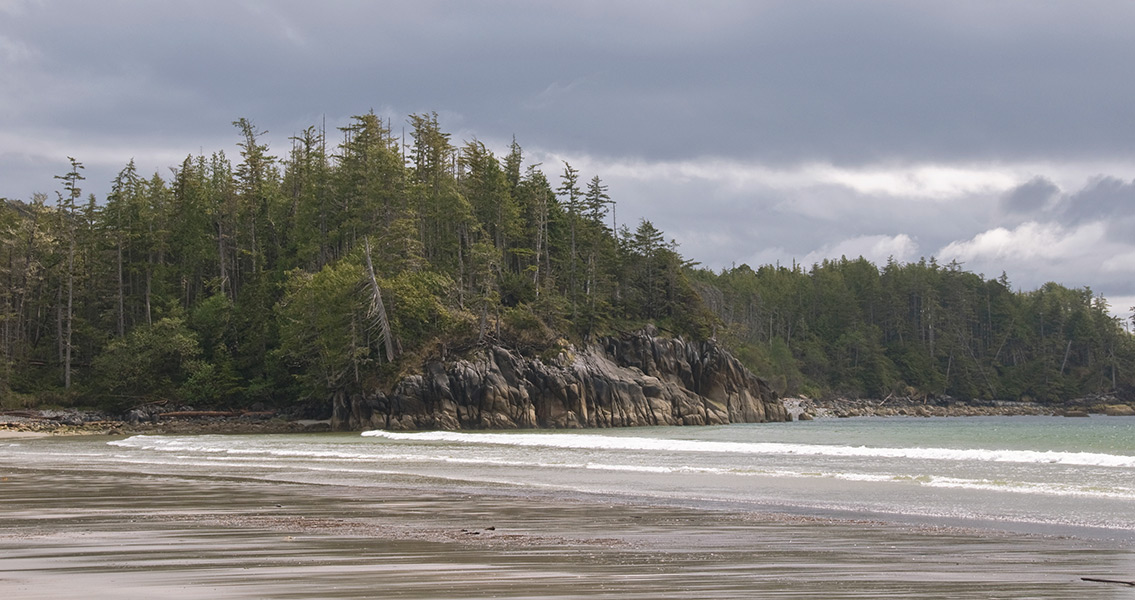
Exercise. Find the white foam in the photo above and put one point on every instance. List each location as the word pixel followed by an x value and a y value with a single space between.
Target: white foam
pixel 602 442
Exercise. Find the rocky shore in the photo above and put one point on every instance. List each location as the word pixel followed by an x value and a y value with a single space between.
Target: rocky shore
pixel 154 419
pixel 806 409
pixel 634 380
pixel 638 379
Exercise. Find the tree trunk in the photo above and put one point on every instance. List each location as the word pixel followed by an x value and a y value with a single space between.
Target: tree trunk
pixel 221 255
pixel 121 294
pixel 378 308
pixel 70 314
pixel 149 280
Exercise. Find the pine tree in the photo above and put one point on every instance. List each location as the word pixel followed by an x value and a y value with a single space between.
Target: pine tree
pixel 66 207
pixel 573 201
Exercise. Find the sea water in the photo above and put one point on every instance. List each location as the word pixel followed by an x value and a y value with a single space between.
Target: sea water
pixel 1032 474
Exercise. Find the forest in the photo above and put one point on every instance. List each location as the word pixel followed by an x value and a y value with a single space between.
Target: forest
pixel 345 264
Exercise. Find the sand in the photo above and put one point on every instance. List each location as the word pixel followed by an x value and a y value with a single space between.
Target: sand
pixel 73 534
pixel 6 434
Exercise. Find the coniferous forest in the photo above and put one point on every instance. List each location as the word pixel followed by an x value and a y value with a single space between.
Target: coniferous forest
pixel 345 263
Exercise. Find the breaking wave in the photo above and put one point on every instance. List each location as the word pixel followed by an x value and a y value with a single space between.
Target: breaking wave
pixel 601 442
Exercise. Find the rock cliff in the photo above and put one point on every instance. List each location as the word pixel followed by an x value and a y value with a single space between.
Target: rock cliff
pixel 629 381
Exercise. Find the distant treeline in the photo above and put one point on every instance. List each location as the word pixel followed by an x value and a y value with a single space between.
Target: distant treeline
pixel 919 329
pixel 343 266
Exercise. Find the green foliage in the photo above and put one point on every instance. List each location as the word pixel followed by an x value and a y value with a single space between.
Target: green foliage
pixel 920 329
pixel 153 362
pixel 418 307
pixel 234 284
pixel 322 326
pixel 524 329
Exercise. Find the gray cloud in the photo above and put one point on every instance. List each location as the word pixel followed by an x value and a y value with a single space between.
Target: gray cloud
pixel 1031 197
pixel 775 81
pixel 1104 198
pixel 812 127
pixel 1107 199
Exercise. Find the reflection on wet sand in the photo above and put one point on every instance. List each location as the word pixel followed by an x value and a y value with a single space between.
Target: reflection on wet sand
pixel 121 535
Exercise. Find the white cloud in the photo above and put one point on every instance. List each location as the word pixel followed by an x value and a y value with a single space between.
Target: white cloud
pixel 925 181
pixel 875 248
pixel 1030 241
pixel 1034 253
pixel 96 152
pixel 1123 308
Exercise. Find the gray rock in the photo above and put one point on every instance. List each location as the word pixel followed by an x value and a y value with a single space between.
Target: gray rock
pixel 629 381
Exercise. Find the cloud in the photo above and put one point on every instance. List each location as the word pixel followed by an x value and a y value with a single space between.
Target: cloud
pixel 1032 240
pixel 764 131
pixel 14 51
pixel 554 93
pixel 1120 263
pixel 1123 307
pixel 283 26
pixel 1036 195
pixel 16 8
pixel 837 83
pixel 1034 253
pixel 875 248
pixel 930 181
pixel 1102 198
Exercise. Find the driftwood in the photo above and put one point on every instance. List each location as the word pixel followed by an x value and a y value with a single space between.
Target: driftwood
pixel 1115 581
pixel 27 414
pixel 378 309
pixel 214 413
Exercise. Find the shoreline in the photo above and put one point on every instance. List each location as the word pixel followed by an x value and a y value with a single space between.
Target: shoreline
pixel 66 422
pixel 71 422
pixel 807 408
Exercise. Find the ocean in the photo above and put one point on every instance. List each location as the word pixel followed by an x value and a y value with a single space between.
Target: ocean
pixel 1030 474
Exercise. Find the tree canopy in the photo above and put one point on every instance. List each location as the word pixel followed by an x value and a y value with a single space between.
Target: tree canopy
pixel 287 278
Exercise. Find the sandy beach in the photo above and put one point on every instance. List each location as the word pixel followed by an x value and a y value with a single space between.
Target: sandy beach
pixel 81 533
pixel 13 434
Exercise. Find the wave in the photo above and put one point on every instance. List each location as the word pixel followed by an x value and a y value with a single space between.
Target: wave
pixel 186 447
pixel 602 442
pixel 381 459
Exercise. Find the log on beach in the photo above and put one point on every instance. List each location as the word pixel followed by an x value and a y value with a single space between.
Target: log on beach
pixel 1115 581
pixel 194 414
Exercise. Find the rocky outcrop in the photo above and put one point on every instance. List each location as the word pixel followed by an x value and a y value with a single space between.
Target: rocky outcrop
pixel 629 381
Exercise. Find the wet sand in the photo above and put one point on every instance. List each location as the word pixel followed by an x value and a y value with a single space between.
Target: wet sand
pixel 118 535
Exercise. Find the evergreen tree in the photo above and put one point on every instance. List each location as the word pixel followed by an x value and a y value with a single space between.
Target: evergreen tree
pixel 66 206
pixel 573 203
pixel 257 283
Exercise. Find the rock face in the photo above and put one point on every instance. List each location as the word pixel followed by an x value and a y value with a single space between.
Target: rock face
pixel 620 382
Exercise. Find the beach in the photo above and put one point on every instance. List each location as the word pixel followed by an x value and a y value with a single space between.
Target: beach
pixel 77 522
pixel 67 534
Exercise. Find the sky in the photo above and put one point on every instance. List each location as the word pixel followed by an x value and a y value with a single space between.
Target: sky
pixel 998 134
